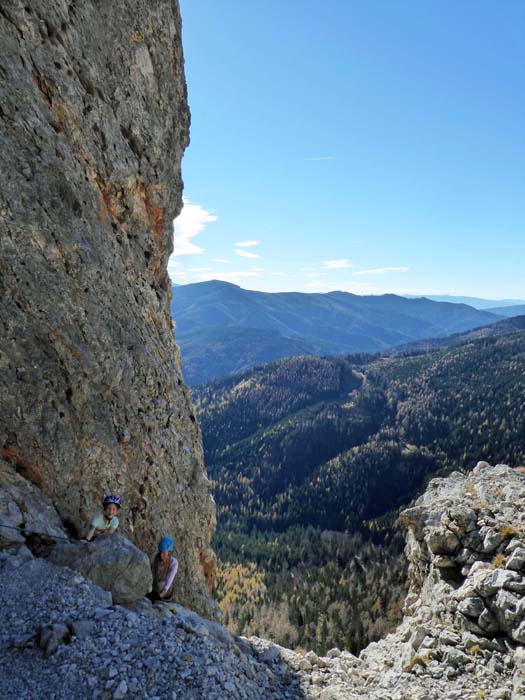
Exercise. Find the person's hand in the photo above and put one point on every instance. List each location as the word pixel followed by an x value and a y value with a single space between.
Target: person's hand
pixel 162 594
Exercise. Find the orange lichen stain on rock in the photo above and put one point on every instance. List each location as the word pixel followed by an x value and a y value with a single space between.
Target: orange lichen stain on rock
pixel 148 207
pixel 43 85
pixel 110 199
pixel 29 470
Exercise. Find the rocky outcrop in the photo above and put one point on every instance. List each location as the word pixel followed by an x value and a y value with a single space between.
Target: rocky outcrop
pixel 111 562
pixel 93 125
pixel 465 612
pixel 466 545
pixel 24 509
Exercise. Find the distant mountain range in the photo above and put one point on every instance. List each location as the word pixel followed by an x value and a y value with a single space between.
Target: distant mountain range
pixel 509 311
pixel 507 325
pixel 476 302
pixel 223 329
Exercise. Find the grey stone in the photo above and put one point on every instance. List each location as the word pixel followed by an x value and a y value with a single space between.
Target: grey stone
pixel 460 519
pixel 468 624
pixel 506 607
pixel 23 505
pixel 488 582
pixel 333 653
pixel 449 638
pixel 22 641
pixel 456 658
pixel 82 628
pixel 516 586
pixel 513 544
pixel 488 622
pixel 472 606
pixel 51 637
pixel 121 690
pixel 516 561
pixel 518 634
pixel 492 541
pixel 442 541
pixel 443 562
pixel 193 623
pixel 111 562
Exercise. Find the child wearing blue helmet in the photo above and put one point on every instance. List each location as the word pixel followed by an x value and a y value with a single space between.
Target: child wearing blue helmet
pixel 105 523
pixel 164 568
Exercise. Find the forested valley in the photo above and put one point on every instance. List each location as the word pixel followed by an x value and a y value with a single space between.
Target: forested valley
pixel 313 457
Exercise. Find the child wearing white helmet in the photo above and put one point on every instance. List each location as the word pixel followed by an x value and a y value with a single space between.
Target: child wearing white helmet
pixel 164 566
pixel 105 523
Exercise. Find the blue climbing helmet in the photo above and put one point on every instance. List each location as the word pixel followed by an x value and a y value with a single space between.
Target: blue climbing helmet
pixel 117 500
pixel 166 544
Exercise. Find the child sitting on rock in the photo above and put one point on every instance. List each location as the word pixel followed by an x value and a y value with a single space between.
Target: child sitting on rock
pixel 105 523
pixel 163 567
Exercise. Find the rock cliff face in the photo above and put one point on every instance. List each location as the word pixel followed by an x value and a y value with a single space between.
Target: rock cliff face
pixel 93 126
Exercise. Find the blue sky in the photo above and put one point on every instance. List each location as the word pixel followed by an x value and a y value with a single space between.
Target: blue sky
pixel 372 146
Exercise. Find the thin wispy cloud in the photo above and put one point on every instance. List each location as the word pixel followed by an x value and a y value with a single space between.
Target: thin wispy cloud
pixel 314 158
pixel 316 275
pixel 246 244
pixel 381 270
pixel 191 221
pixel 199 269
pixel 246 254
pixel 340 264
pixel 221 260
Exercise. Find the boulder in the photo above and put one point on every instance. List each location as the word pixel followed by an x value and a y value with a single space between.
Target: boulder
pixel 24 506
pixel 442 541
pixel 488 622
pixel 492 540
pixel 111 562
pixel 472 606
pixel 506 607
pixel 51 637
pixel 516 561
pixel 488 582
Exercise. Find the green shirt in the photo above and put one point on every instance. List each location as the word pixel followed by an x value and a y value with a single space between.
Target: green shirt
pixel 101 524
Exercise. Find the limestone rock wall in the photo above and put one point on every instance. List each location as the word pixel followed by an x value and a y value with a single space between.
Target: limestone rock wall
pixel 465 612
pixel 93 125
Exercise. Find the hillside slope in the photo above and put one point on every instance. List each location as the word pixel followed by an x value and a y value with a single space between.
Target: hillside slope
pixel 333 442
pixel 509 311
pixel 305 447
pixel 507 325
pixel 222 328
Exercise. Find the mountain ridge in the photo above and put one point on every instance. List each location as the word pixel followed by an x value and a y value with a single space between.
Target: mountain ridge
pixel 325 324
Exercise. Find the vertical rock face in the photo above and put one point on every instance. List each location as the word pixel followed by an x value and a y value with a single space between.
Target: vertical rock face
pixel 93 126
